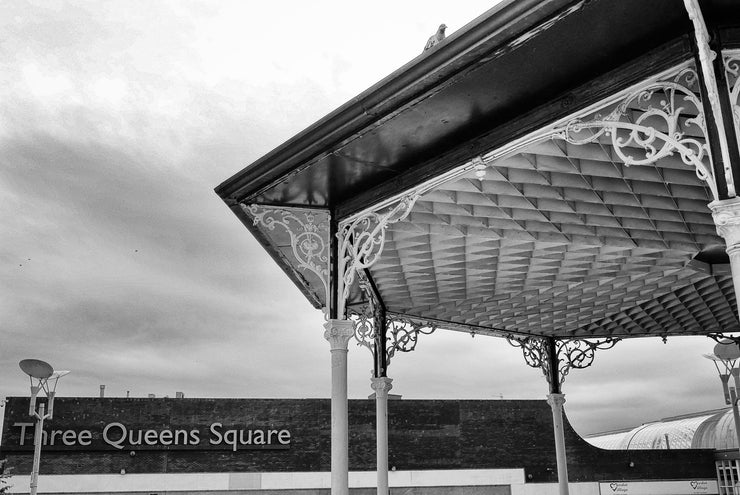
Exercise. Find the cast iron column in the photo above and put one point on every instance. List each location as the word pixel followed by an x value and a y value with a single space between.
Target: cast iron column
pixel 556 399
pixel 556 402
pixel 726 214
pixel 338 332
pixel 382 386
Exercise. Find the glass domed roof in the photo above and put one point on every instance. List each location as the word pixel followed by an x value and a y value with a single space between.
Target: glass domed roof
pixel 704 430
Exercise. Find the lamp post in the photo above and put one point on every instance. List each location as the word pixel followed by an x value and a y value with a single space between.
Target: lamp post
pixel 725 356
pixel 43 379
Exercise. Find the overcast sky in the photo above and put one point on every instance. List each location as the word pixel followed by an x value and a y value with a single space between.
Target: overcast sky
pixel 119 262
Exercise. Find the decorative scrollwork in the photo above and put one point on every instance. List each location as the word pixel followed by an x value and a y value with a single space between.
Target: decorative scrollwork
pixel 365 317
pixel 361 241
pixel 309 236
pixel 579 354
pixel 732 76
pixel 535 352
pixel 569 353
pixel 403 335
pixel 722 338
pixel 653 121
pixel 706 59
pixel 364 320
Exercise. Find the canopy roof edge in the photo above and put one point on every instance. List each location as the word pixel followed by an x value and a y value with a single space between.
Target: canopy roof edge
pixel 497 25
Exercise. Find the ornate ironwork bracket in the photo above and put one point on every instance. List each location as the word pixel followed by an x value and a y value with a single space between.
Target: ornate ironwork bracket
pixel 556 357
pixel 653 121
pixel 706 57
pixel 731 61
pixel 309 236
pixel 721 338
pixel 368 319
pixel 365 318
pixel 361 242
pixel 401 335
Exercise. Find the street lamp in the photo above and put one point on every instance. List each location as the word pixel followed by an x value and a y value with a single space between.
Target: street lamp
pixel 725 356
pixel 43 379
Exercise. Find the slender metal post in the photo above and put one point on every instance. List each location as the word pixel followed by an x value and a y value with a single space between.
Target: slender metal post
pixel 725 379
pixel 736 415
pixel 556 399
pixel 382 386
pixel 556 402
pixel 37 438
pixel 43 378
pixel 735 372
pixel 32 402
pixel 338 333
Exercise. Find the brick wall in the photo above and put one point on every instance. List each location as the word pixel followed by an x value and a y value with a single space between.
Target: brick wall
pixel 423 434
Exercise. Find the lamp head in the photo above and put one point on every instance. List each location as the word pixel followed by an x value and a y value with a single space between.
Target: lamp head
pixel 35 368
pixel 727 350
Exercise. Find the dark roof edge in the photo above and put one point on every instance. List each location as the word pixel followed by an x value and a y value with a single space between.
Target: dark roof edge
pixel 423 73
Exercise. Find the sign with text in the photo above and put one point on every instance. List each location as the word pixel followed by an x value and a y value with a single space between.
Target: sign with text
pixel 683 487
pixel 152 424
pixel 119 436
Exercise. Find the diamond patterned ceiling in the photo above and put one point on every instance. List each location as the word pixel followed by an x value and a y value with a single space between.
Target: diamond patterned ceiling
pixel 563 240
pixel 559 239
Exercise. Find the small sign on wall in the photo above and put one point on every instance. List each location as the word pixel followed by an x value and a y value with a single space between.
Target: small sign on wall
pixel 682 487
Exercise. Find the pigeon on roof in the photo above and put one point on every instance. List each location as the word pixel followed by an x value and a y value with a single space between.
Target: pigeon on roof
pixel 436 37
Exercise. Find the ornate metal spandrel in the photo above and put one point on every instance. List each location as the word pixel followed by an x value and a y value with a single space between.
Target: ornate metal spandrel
pixel 579 353
pixel 403 335
pixel 365 316
pixel 706 59
pixel 658 120
pixel 722 338
pixel 364 321
pixel 570 353
pixel 731 61
pixel 309 236
pixel 361 241
pixel 534 350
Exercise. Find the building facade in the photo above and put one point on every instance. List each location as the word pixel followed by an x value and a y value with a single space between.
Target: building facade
pixel 117 445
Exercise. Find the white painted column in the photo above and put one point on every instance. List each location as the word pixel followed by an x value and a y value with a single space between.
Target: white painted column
pixel 556 402
pixel 382 385
pixel 726 214
pixel 338 333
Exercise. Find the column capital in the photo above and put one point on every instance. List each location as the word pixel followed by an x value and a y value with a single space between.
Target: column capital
pixel 556 400
pixel 726 215
pixel 338 333
pixel 382 385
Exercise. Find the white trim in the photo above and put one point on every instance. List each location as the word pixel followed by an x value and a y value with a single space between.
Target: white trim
pixel 587 488
pixel 224 482
pixel 682 487
pixel 177 482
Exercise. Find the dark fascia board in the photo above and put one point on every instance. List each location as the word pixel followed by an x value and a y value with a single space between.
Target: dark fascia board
pixel 497 25
pixel 593 91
